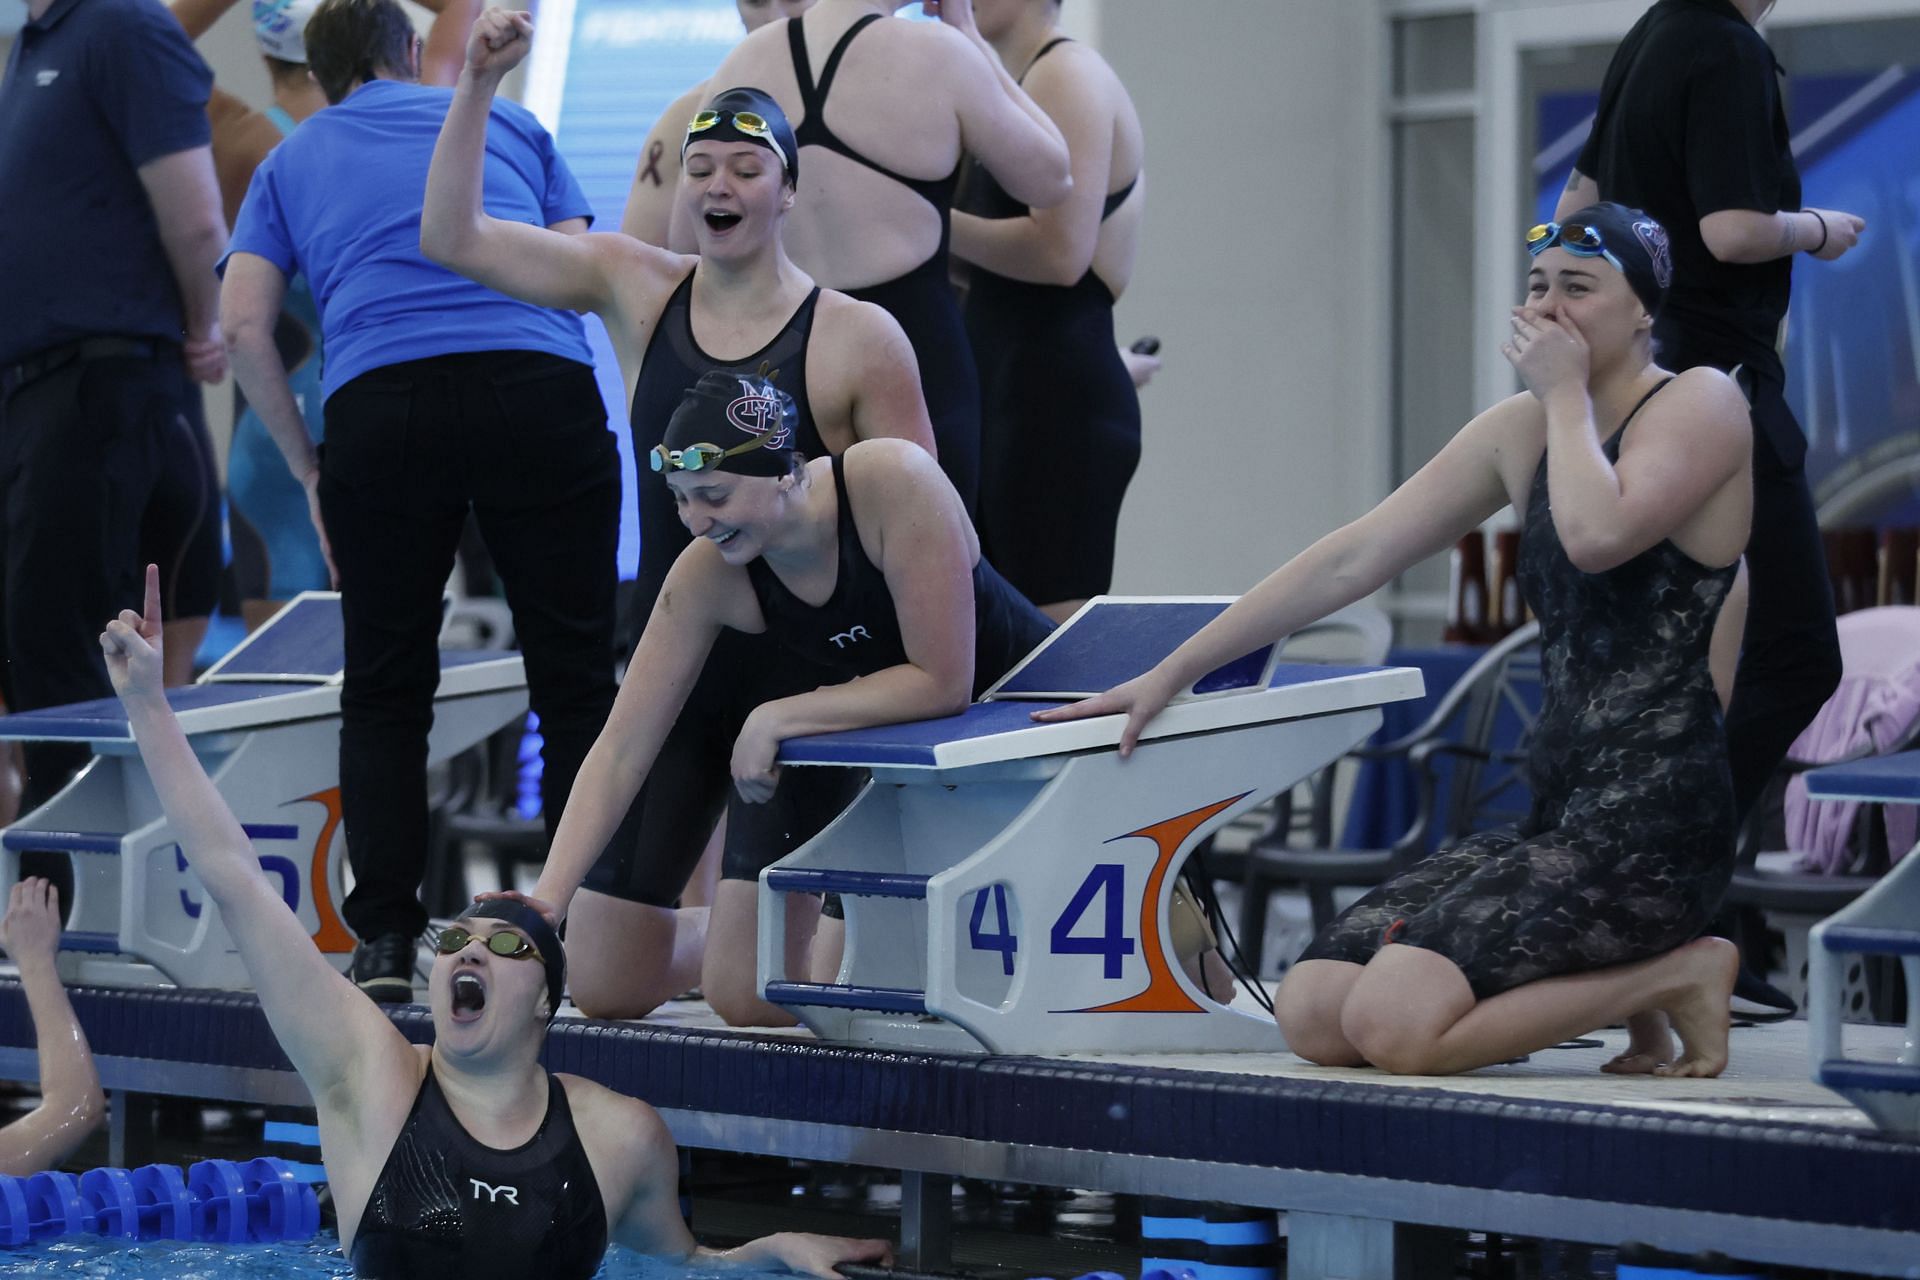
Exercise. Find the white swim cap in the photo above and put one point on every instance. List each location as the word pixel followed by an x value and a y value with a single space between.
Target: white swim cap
pixel 281 27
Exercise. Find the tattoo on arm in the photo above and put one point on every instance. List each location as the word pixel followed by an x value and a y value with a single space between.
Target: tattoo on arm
pixel 1789 237
pixel 651 172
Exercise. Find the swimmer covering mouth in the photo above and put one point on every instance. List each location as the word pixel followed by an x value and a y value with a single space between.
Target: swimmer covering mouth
pixel 465 1158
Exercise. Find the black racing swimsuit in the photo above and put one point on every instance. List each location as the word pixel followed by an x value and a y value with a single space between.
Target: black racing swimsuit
pixel 1052 385
pixel 856 632
pixel 672 363
pixel 690 784
pixel 921 300
pixel 445 1205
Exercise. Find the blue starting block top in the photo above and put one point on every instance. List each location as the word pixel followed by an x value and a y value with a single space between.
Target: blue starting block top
pixel 305 643
pixel 987 732
pixel 1112 640
pixel 1888 779
pixel 220 707
pixel 103 719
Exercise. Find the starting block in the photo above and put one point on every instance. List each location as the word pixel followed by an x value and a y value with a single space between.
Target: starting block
pixel 265 722
pixel 1007 884
pixel 1885 920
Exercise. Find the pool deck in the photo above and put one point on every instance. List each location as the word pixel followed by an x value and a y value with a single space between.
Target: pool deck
pixel 1760 1163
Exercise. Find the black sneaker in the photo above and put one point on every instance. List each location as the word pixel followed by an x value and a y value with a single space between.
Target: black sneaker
pixel 1757 1000
pixel 383 968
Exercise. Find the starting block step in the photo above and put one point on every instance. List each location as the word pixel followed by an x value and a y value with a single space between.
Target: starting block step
pixel 1891 779
pixel 100 944
pixel 1843 1074
pixel 1870 940
pixel 857 884
pixel 17 841
pixel 1878 922
pixel 835 995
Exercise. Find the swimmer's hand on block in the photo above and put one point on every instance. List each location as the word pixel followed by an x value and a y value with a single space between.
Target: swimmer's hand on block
pixel 1147 653
pixel 1152 691
pixel 1139 700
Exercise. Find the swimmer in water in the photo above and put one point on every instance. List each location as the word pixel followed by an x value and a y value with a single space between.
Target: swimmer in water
pixel 465 1158
pixel 71 1104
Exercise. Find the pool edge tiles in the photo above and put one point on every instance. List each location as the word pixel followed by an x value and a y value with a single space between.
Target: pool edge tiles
pixel 1466 1135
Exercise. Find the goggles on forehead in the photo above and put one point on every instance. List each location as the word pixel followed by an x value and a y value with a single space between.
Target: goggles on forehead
pixel 704 457
pixel 1576 238
pixel 751 123
pixel 505 943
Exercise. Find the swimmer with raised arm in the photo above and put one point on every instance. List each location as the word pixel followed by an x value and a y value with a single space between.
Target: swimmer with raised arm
pixel 654 211
pixel 71 1104
pixel 1634 491
pixel 421 1143
pixel 743 306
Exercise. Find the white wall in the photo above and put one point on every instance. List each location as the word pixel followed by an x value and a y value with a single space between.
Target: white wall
pixel 1262 272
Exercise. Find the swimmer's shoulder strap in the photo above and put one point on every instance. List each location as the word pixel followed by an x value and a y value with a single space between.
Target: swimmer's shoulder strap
pixel 812 131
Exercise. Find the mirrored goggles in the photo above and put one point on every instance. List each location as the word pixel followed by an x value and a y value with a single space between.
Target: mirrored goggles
pixel 506 944
pixel 703 457
pixel 751 123
pixel 1576 238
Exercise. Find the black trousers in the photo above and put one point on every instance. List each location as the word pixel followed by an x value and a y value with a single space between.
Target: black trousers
pixel 83 448
pixel 1790 653
pixel 519 439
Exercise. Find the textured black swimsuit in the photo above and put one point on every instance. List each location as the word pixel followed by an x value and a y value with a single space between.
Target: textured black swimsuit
pixel 445 1205
pixel 1629 844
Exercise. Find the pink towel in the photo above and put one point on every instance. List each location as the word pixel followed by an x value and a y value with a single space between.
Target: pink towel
pixel 1877 702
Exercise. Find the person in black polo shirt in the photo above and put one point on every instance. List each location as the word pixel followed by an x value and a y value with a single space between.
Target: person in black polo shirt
pixel 113 224
pixel 1692 130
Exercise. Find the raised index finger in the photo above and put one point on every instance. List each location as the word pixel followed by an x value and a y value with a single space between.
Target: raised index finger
pixel 150 612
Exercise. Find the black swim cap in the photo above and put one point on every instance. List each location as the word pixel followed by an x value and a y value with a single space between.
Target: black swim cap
pixel 1637 242
pixel 723 412
pixel 539 933
pixel 724 107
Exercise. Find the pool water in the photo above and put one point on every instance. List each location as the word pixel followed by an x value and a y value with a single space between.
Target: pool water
pixel 317 1259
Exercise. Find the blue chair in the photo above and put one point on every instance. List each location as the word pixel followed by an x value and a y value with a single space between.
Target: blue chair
pixel 1483 790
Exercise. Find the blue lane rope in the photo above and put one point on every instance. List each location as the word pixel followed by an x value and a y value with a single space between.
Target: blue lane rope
pixel 261 1201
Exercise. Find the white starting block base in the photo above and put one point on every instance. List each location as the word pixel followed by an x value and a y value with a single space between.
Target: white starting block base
pixel 1883 921
pixel 266 725
pixel 1007 885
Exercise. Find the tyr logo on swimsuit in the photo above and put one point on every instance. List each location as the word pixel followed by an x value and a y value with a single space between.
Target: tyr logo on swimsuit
pixel 846 638
pixel 495 1194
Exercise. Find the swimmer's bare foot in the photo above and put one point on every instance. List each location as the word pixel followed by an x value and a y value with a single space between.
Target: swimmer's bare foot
pixel 1698 1009
pixel 1649 1046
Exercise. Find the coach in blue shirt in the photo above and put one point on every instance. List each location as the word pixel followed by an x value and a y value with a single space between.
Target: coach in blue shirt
pixel 110 224
pixel 442 397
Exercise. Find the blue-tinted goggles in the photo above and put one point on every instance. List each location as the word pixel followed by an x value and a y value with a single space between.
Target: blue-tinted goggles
pixel 1577 239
